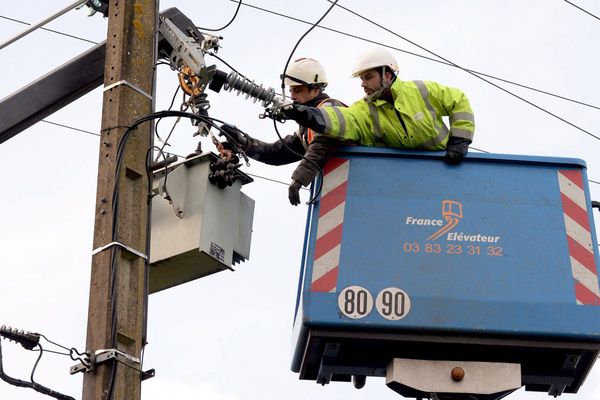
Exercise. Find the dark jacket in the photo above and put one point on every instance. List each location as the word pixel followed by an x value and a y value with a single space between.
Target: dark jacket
pixel 318 151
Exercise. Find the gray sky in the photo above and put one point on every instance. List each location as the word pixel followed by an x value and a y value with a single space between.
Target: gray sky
pixel 227 337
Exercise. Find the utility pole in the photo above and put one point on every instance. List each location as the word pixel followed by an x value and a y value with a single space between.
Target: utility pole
pixel 117 290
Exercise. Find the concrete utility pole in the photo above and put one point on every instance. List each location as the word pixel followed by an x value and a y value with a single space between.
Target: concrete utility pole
pixel 116 306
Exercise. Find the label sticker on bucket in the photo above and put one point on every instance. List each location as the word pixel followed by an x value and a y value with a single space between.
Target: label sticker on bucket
pixel 392 303
pixel 355 302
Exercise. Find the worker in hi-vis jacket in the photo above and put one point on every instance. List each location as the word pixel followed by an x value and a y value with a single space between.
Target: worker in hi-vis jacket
pixel 395 113
pixel 306 79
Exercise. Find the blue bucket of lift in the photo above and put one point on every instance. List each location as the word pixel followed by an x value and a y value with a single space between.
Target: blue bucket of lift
pixel 492 260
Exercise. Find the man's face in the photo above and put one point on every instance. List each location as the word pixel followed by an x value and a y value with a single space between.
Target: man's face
pixel 301 94
pixel 370 81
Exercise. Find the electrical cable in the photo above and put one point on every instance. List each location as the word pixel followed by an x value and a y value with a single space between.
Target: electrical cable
pixel 227 24
pixel 258 176
pixel 225 62
pixel 51 30
pixel 421 56
pixel 55 352
pixel 320 171
pixel 31 385
pixel 355 37
pixel 273 180
pixel 585 11
pixel 149 172
pixel 298 43
pixel 466 70
pixel 180 156
pixel 170 106
pixel 70 127
pixel 35 365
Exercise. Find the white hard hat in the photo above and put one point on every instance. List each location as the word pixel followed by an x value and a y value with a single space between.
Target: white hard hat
pixel 374 58
pixel 305 71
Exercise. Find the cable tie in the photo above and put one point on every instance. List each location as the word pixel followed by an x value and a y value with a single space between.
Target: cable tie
pixel 130 85
pixel 129 249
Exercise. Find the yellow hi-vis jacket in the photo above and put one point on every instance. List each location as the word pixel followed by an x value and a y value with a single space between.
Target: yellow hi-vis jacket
pixel 420 105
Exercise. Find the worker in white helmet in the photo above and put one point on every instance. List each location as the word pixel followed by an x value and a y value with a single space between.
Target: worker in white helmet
pixel 306 80
pixel 395 113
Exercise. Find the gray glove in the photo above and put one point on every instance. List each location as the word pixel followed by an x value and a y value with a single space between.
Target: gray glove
pixel 456 150
pixel 294 193
pixel 234 134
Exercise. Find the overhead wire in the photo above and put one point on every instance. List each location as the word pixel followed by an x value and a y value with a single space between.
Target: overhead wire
pixel 257 176
pixel 582 9
pixel 298 43
pixel 285 145
pixel 359 38
pixel 466 70
pixel 70 127
pixel 227 24
pixel 50 30
pixel 446 62
pixel 421 56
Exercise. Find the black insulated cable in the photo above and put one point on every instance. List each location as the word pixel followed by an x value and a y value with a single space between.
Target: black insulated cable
pixel 313 200
pixel 585 11
pixel 31 385
pixel 227 24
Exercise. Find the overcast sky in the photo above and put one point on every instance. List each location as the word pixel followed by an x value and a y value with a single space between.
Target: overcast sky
pixel 227 337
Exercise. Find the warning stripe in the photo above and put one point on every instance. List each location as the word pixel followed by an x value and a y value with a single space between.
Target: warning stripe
pixel 578 214
pixel 579 237
pixel 330 225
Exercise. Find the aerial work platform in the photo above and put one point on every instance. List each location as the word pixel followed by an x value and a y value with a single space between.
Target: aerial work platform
pixel 490 265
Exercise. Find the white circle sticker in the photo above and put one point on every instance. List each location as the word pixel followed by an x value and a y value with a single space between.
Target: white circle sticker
pixel 392 303
pixel 355 302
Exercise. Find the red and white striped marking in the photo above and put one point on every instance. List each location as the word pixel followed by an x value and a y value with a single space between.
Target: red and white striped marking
pixel 579 237
pixel 329 226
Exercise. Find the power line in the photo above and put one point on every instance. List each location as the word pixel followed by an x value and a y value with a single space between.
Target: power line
pixel 43 22
pixel 50 30
pixel 227 24
pixel 585 11
pixel 256 176
pixel 272 180
pixel 70 127
pixel 469 72
pixel 358 38
pixel 421 56
pixel 178 155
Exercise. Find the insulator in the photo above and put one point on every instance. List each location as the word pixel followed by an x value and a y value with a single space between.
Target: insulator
pixel 250 89
pixel 26 339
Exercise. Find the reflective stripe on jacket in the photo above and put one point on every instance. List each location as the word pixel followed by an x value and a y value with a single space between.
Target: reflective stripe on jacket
pixel 420 104
pixel 307 135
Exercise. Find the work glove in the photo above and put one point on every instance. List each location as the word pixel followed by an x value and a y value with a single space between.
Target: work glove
pixel 297 112
pixel 234 134
pixel 294 193
pixel 456 150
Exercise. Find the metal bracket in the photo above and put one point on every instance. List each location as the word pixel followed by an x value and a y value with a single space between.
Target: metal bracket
pixel 130 85
pixel 104 355
pixel 129 249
